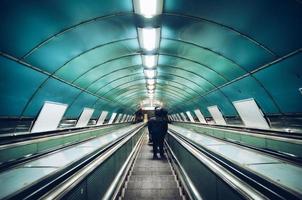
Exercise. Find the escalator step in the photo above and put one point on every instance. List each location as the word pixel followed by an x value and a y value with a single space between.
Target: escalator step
pixel 164 194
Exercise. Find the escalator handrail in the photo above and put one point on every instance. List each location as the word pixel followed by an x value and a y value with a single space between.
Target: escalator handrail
pixel 67 185
pixel 236 183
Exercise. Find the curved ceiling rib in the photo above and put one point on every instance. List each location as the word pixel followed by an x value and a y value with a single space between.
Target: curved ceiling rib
pixel 182 15
pixel 123 91
pixel 201 47
pixel 94 48
pixel 71 28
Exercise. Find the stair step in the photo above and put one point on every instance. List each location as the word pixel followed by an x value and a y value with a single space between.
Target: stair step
pixel 165 194
pixel 167 184
pixel 151 178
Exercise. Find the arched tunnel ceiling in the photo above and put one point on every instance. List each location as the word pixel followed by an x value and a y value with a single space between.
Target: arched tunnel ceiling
pixel 86 54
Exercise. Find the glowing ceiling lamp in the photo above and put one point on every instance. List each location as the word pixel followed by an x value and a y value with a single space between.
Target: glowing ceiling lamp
pixel 150 91
pixel 150 87
pixel 149 38
pixel 150 61
pixel 150 81
pixel 150 73
pixel 148 8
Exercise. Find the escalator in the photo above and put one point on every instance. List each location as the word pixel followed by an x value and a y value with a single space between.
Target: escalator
pixel 151 178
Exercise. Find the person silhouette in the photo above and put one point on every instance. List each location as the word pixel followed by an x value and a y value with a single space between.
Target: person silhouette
pixel 158 127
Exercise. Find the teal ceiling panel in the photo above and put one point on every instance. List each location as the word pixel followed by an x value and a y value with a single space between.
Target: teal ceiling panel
pixel 103 58
pixel 61 49
pixel 104 89
pixel 17 85
pixel 75 108
pixel 274 24
pixel 248 87
pixel 217 38
pixel 224 104
pixel 283 81
pixel 98 76
pixel 195 77
pixel 40 20
pixel 208 61
pixel 53 90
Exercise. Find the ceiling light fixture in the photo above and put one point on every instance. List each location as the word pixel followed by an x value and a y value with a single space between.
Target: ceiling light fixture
pixel 149 38
pixel 151 91
pixel 150 81
pixel 150 73
pixel 148 8
pixel 149 61
pixel 150 87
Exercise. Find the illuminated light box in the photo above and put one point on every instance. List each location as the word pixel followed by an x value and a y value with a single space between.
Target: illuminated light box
pixel 184 117
pixel 49 117
pixel 200 116
pixel 119 117
pixel 148 8
pixel 102 118
pixel 217 115
pixel 124 118
pixel 112 118
pixel 251 114
pixel 85 117
pixel 190 116
pixel 179 117
pixel 149 38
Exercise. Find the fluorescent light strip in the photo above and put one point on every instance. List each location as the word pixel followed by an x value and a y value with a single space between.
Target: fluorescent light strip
pixel 149 73
pixel 150 81
pixel 150 87
pixel 148 8
pixel 150 61
pixel 149 38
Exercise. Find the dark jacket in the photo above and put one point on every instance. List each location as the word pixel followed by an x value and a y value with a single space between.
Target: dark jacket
pixel 158 127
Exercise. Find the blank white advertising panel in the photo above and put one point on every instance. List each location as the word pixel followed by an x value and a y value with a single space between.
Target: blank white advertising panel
pixel 102 118
pixel 179 117
pixel 112 118
pixel 200 116
pixel 119 117
pixel 217 116
pixel 251 114
pixel 85 117
pixel 190 116
pixel 183 117
pixel 49 117
pixel 124 118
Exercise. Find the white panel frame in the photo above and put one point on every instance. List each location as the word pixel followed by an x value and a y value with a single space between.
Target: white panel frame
pixel 183 117
pixel 49 117
pixel 102 118
pixel 250 113
pixel 190 116
pixel 217 115
pixel 119 117
pixel 113 116
pixel 123 118
pixel 84 117
pixel 200 116
pixel 179 118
